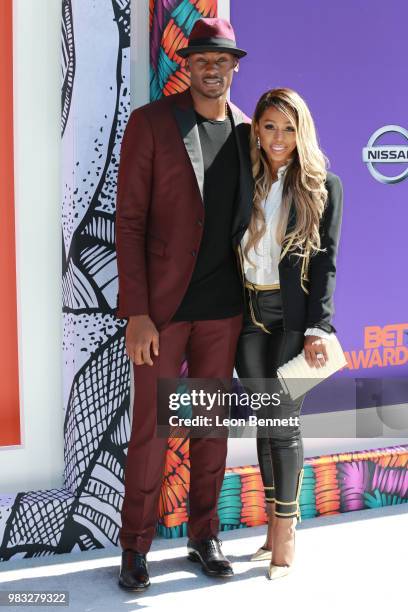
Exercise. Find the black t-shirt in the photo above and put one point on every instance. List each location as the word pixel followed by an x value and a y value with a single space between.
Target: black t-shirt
pixel 215 290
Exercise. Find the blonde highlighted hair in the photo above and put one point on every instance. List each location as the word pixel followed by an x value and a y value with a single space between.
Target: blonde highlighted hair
pixel 304 181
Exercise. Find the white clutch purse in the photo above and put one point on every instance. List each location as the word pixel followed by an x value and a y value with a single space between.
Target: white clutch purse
pixel 298 377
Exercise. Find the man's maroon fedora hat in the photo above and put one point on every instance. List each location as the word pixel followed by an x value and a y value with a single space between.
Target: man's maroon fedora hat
pixel 211 34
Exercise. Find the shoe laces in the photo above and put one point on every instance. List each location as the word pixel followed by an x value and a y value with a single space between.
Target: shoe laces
pixel 213 544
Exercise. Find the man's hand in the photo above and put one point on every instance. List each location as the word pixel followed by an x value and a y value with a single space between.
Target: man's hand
pixel 141 332
pixel 315 351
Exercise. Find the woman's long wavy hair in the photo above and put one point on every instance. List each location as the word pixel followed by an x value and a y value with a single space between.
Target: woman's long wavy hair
pixel 304 181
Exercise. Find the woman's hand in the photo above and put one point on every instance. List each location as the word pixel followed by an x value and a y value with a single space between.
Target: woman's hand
pixel 315 351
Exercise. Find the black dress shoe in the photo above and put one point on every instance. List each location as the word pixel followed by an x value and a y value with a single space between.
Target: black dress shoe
pixel 210 555
pixel 134 575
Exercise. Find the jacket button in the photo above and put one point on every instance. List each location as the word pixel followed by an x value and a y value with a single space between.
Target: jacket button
pixel 194 253
pixel 199 223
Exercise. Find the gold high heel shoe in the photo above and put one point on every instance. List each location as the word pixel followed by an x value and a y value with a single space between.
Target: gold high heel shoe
pixel 262 554
pixel 278 571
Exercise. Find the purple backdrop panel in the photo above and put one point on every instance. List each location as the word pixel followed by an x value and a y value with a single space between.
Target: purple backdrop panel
pixel 347 61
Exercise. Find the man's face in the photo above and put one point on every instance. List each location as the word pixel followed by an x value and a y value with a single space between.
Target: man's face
pixel 211 72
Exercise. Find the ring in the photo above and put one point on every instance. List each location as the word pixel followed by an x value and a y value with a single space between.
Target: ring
pixel 319 355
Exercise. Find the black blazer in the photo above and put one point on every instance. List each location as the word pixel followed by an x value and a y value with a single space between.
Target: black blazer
pixel 316 309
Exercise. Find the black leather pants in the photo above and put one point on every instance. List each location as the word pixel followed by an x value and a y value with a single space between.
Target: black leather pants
pixel 259 354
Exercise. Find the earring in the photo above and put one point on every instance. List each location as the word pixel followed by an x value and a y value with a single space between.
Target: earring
pixel 258 142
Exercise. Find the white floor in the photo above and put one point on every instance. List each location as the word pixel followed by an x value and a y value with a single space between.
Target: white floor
pixel 343 562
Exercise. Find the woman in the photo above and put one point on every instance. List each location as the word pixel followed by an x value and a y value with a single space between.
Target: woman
pixel 288 260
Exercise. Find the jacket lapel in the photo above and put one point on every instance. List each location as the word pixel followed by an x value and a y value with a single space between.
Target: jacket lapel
pixel 186 120
pixel 187 124
pixel 246 184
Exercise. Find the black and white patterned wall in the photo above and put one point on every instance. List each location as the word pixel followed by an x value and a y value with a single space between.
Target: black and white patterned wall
pixel 95 107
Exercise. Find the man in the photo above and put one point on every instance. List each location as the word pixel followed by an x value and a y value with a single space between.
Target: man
pixel 184 201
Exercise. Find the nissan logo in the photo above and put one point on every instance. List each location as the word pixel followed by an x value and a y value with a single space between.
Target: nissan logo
pixel 388 154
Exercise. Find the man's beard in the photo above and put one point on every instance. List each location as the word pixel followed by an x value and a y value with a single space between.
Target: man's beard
pixel 212 95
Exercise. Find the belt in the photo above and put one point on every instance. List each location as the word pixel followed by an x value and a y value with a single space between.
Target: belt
pixel 256 287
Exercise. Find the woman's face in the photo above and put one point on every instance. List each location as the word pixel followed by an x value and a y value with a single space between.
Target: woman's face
pixel 277 136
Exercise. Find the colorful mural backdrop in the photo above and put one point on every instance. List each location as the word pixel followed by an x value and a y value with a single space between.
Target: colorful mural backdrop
pixel 9 383
pixel 40 523
pixel 171 22
pixel 331 484
pixel 85 514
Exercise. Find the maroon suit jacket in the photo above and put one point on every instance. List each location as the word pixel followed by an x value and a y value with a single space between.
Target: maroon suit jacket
pixel 160 213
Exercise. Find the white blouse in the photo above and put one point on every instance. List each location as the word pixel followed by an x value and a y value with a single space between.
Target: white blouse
pixel 266 256
pixel 264 270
